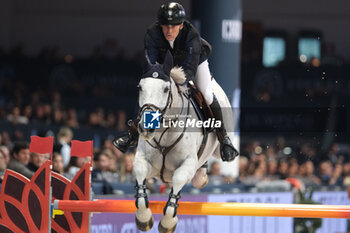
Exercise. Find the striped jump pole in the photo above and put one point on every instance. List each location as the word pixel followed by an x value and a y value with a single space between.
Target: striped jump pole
pixel 211 208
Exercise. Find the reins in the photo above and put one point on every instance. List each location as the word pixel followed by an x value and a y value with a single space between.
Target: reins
pixel 164 150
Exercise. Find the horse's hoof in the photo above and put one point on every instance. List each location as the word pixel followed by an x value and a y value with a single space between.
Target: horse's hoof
pixel 162 229
pixel 204 184
pixel 144 226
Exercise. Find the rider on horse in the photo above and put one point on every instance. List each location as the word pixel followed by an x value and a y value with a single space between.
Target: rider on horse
pixel 172 32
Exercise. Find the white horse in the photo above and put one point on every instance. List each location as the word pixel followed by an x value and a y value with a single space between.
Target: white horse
pixel 170 154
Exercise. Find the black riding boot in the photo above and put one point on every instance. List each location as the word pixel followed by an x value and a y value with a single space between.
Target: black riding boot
pixel 227 150
pixel 130 139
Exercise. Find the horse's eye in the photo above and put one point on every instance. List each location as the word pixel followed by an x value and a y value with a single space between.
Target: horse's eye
pixel 166 89
pixel 139 87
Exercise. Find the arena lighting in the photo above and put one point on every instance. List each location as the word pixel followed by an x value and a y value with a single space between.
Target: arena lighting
pixel 309 47
pixel 274 48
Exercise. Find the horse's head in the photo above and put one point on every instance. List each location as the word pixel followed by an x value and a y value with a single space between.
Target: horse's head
pixel 154 93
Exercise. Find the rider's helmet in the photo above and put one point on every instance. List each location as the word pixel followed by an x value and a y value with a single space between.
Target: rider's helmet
pixel 171 13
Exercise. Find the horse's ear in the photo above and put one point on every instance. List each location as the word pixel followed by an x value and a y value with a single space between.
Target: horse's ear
pixel 168 63
pixel 146 64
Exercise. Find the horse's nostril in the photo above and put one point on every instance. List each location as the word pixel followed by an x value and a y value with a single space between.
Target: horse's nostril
pixel 151 130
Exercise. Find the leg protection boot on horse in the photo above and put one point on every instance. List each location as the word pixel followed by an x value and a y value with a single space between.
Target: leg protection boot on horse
pixel 227 150
pixel 130 139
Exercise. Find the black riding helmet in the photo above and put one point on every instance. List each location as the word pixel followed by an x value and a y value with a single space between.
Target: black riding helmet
pixel 171 13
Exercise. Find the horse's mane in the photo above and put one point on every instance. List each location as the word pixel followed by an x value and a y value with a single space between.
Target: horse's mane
pixel 178 75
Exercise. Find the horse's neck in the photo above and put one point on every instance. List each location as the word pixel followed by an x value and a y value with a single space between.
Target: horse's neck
pixel 177 111
pixel 178 99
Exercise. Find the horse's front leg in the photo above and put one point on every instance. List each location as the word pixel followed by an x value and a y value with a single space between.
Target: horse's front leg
pixel 142 170
pixel 182 176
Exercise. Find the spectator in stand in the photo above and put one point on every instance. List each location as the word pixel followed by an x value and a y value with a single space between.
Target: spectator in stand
pixel 74 166
pixel 243 168
pixel 111 121
pixel 39 115
pixel 121 120
pixel 6 153
pixel 293 168
pixel 56 99
pixel 259 172
pixel 307 152
pixel 36 160
pixel 3 166
pixel 27 112
pixel 6 139
pixel 72 118
pixel 272 166
pixel 100 114
pixel 282 169
pixel 64 137
pixel 93 120
pixel 127 165
pixel 102 170
pixel 215 176
pixel 346 169
pixel 58 117
pixel 325 172
pixel 47 109
pixel 15 116
pixel 20 159
pixel 57 163
pixel 116 153
pixel 113 161
pixel 334 153
pixel 336 178
pixel 308 176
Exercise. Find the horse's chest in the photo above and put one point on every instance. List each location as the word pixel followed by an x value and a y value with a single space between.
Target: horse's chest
pixel 172 161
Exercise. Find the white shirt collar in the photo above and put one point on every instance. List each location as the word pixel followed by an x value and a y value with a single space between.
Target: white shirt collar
pixel 171 42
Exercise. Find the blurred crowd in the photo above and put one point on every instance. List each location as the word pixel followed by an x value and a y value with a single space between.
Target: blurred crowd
pixel 41 107
pixel 26 101
pixel 261 163
pixel 257 163
pixel 109 164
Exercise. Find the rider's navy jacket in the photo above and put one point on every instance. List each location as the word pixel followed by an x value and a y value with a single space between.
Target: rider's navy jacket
pixel 189 50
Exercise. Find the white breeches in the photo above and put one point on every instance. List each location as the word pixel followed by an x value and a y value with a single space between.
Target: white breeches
pixel 202 80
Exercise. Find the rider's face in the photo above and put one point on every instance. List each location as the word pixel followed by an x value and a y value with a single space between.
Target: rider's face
pixel 170 32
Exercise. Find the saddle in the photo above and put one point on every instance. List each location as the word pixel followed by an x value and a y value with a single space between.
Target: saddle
pixel 202 110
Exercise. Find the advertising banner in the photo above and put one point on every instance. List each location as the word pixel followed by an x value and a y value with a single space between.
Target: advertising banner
pixel 247 224
pixel 332 225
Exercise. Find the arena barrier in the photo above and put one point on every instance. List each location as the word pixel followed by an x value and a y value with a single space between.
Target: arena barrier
pixel 206 208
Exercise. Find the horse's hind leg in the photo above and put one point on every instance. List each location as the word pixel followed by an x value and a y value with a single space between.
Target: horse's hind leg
pixel 182 176
pixel 200 179
pixel 143 218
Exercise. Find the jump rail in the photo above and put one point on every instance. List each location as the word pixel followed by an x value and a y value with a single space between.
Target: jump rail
pixel 206 208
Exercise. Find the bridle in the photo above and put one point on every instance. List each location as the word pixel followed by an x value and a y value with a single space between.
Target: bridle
pixel 164 150
pixel 153 107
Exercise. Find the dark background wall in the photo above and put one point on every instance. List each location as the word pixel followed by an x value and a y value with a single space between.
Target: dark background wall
pixel 76 27
pixel 332 18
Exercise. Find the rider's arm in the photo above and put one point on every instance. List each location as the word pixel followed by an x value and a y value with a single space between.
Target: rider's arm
pixel 151 49
pixel 193 52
